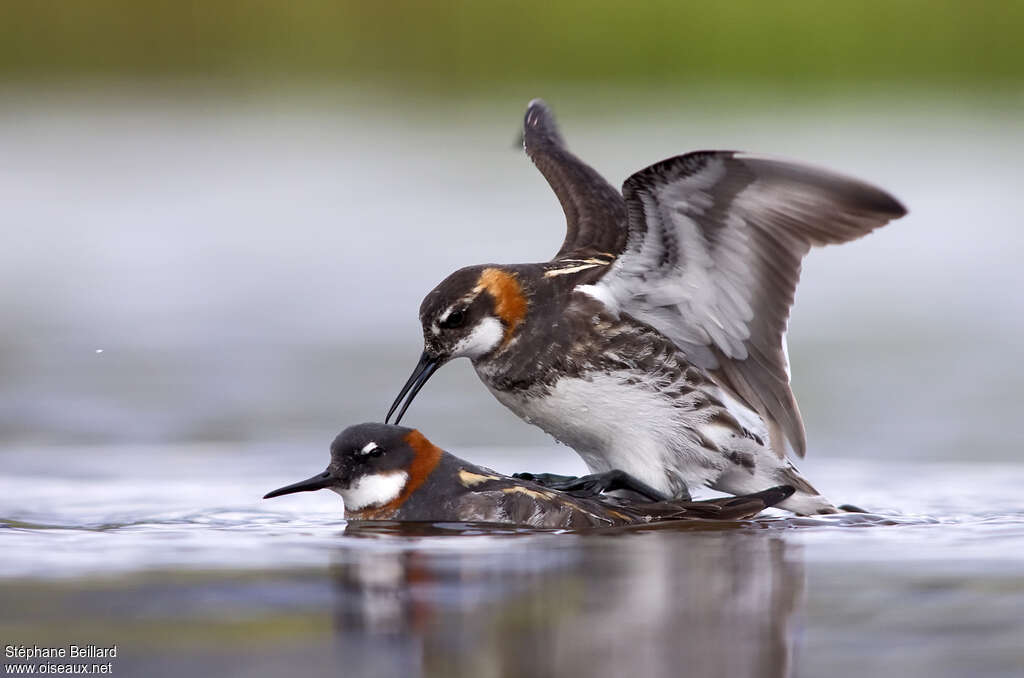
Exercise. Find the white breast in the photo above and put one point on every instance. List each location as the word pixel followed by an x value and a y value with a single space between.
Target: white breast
pixel 614 424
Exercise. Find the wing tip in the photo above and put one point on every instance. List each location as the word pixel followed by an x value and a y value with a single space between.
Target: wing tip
pixel 861 193
pixel 537 107
pixel 777 494
pixel 896 209
pixel 746 506
pixel 879 201
pixel 539 120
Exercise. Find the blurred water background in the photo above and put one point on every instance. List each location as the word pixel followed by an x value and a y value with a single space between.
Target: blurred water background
pixel 218 220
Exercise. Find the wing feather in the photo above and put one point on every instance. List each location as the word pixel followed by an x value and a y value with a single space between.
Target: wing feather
pixel 595 214
pixel 712 260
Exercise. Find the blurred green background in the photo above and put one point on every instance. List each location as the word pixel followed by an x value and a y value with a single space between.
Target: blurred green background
pixel 450 47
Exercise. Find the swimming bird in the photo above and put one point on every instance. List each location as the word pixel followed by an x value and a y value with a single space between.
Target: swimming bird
pixel 654 341
pixel 388 472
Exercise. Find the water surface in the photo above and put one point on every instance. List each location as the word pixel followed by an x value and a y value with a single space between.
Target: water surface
pixel 169 553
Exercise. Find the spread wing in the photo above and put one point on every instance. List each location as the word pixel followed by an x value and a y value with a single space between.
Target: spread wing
pixel 595 214
pixel 715 241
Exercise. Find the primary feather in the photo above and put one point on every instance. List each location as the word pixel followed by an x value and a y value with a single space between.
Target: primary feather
pixel 712 259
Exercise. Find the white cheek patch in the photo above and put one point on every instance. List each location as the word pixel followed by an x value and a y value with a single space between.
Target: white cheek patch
pixel 484 338
pixel 373 490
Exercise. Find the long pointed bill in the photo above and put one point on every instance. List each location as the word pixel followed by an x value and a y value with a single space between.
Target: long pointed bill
pixel 426 367
pixel 317 482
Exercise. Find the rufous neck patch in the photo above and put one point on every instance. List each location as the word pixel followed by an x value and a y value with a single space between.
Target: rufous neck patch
pixel 509 301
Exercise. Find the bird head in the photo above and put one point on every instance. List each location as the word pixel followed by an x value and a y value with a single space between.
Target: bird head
pixel 474 313
pixel 373 467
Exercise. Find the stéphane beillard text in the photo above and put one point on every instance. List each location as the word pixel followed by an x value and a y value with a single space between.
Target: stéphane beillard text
pixel 68 652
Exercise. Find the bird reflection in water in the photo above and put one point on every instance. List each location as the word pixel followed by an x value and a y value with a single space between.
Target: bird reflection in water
pixel 651 602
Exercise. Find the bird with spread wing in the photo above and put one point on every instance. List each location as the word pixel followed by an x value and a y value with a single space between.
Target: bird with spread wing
pixel 653 343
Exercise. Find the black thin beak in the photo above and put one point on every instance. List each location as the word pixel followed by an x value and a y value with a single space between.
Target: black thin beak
pixel 427 365
pixel 317 482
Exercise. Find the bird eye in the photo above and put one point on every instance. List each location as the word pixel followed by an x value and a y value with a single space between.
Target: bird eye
pixel 377 451
pixel 454 319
